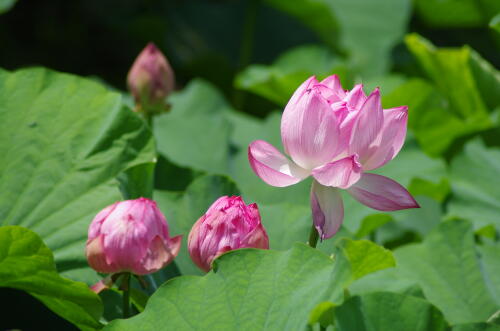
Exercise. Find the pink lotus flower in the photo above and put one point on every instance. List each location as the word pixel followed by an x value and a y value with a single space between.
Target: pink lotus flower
pixel 227 225
pixel 131 236
pixel 151 78
pixel 336 136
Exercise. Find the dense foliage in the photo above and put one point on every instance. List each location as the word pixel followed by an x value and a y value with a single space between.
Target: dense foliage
pixel 72 145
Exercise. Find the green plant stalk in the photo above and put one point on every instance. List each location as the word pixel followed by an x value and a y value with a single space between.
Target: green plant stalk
pixel 126 294
pixel 313 237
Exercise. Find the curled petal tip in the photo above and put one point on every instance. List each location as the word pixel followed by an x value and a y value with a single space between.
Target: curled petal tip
pixel 416 203
pixel 151 47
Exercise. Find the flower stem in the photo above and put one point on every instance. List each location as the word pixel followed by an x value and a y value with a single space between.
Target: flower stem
pixel 313 237
pixel 126 294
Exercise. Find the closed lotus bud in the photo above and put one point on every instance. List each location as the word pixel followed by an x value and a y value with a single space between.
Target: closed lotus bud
pixel 228 224
pixel 131 236
pixel 150 79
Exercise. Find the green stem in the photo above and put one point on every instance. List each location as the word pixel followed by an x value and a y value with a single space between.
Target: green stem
pixel 313 237
pixel 126 294
pixel 148 117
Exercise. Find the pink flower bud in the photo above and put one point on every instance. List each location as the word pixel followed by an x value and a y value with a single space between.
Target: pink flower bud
pixel 228 224
pixel 131 236
pixel 151 78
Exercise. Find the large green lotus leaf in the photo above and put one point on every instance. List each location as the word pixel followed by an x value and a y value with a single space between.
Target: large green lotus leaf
pixel 491 267
pixel 367 30
pixel 198 141
pixel 456 276
pixel 278 81
pixel 382 311
pixel 249 290
pixel 420 221
pixel 195 133
pixel 286 224
pixel 388 280
pixel 450 13
pixel 27 264
pixel 198 97
pixel 63 141
pixel 474 181
pixel 358 258
pixel 183 209
pixel 447 268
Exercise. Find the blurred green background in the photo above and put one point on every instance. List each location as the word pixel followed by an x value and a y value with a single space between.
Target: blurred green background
pixel 216 39
pixel 437 56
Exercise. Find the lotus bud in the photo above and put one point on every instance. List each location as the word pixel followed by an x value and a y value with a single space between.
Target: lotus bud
pixel 227 225
pixel 150 79
pixel 130 236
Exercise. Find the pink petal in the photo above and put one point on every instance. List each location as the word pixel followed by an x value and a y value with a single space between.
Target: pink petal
pixel 127 233
pixel 158 255
pixel 341 173
pixel 97 259
pixel 257 238
pixel 327 209
pixel 95 226
pixel 356 97
pixel 103 284
pixel 309 130
pixel 348 119
pixel 382 193
pixel 391 138
pixel 333 83
pixel 272 166
pixel 367 126
pixel 301 90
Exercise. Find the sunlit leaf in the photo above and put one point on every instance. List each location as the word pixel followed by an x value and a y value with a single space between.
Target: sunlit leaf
pixel 476 193
pixel 381 311
pixel 27 264
pixel 63 141
pixel 250 290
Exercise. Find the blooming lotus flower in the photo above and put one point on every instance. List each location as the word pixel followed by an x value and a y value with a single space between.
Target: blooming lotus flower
pixel 336 136
pixel 227 225
pixel 150 79
pixel 131 236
